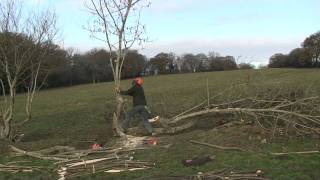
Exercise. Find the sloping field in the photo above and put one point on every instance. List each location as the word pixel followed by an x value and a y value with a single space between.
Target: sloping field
pixel 75 116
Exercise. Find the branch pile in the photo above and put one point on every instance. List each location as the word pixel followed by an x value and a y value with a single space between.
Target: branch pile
pixel 279 109
pixel 17 168
pixel 76 163
pixel 109 164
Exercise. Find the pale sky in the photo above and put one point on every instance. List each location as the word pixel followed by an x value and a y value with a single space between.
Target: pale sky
pixel 252 29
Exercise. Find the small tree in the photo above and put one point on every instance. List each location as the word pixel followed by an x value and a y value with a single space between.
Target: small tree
pixel 24 43
pixel 117 24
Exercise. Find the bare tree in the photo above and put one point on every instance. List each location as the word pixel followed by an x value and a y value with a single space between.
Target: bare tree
pixel 24 43
pixel 117 24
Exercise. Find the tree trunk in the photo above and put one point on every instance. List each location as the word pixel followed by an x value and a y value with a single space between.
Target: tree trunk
pixel 5 131
pixel 116 116
pixel 2 135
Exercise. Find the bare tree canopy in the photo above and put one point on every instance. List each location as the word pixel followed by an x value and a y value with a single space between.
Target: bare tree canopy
pixel 25 40
pixel 117 24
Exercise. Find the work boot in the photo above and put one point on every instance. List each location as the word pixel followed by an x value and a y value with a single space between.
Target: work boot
pixel 154 119
pixel 154 134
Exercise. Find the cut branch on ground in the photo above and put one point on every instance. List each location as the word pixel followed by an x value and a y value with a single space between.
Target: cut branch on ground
pixel 216 146
pixel 281 110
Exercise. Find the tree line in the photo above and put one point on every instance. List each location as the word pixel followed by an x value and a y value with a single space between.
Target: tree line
pixel 93 66
pixel 66 67
pixel 307 56
pixel 71 68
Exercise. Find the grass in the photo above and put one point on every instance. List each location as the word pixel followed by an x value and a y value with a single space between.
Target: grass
pixel 75 116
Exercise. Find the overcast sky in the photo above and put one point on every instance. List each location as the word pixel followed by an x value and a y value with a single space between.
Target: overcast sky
pixel 250 29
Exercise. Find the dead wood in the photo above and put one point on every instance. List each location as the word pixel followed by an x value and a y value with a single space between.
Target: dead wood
pixel 245 110
pixel 175 129
pixel 216 146
pixel 17 168
pixel 298 115
pixel 301 152
pixel 36 155
pixel 56 150
pixel 279 109
pixel 123 170
pixel 91 161
pixel 110 165
pixel 214 175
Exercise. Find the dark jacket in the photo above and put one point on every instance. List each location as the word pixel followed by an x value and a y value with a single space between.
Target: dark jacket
pixel 137 94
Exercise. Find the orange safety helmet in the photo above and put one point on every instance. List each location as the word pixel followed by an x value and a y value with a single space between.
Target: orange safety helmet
pixel 138 81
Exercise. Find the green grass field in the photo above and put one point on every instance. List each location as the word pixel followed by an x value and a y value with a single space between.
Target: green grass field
pixel 74 116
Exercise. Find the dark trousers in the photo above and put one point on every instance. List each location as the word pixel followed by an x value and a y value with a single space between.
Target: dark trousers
pixel 144 115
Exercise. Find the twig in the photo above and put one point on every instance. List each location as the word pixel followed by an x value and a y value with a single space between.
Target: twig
pixel 91 161
pixel 216 146
pixel 301 152
pixel 36 155
pixel 205 101
pixel 123 170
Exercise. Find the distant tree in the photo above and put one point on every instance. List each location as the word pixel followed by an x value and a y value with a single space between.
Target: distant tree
pixel 246 66
pixel 190 63
pixel 298 58
pixel 173 66
pixel 278 61
pixel 216 63
pixel 162 62
pixel 134 66
pixel 178 62
pixel 59 63
pixel 229 63
pixel 213 54
pixel 25 41
pixel 97 67
pixel 219 63
pixel 204 62
pixel 312 46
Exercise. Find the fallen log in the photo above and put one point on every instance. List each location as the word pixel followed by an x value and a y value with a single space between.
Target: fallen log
pixel 218 147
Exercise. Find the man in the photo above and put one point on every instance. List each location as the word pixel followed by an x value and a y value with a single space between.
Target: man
pixel 139 106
